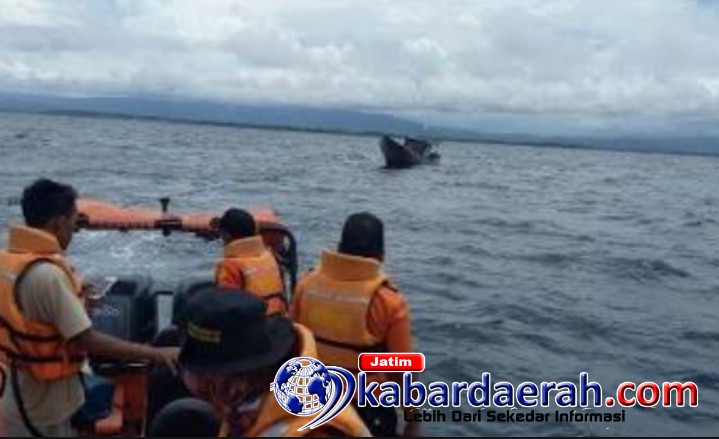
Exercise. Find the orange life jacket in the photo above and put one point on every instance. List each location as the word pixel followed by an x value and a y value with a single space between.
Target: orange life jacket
pixel 28 344
pixel 334 304
pixel 248 259
pixel 274 421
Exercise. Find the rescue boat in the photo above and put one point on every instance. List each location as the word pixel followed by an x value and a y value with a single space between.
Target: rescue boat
pixel 96 215
pixel 132 309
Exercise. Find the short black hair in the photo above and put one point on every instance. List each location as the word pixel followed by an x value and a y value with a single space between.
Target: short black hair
pixel 45 199
pixel 363 235
pixel 238 223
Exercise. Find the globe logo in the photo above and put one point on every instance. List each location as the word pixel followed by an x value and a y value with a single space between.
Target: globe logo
pixel 303 386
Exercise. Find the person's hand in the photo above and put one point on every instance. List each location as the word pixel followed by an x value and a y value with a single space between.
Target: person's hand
pixel 168 357
pixel 90 289
pixel 91 294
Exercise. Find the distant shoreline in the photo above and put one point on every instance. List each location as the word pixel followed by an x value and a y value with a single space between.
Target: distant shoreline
pixel 279 127
pixel 338 132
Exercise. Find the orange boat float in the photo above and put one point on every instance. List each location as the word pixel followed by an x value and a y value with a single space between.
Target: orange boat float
pixel 131 308
pixel 99 215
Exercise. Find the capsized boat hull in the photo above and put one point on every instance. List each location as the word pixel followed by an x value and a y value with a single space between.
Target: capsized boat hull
pixel 404 155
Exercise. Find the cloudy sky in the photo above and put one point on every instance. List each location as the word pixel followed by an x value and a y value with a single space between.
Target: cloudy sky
pixel 581 60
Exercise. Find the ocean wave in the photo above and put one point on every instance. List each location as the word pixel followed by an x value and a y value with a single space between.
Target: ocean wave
pixel 703 380
pixel 645 269
pixel 549 344
pixel 555 259
pixel 702 336
pixel 699 222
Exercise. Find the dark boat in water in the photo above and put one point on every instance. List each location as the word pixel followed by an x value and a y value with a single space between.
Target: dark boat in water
pixel 410 153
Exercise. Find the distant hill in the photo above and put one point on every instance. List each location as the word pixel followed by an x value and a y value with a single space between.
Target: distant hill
pixel 295 117
pixel 341 120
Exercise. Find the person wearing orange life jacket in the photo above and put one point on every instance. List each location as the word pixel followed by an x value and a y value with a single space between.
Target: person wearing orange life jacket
pixel 231 354
pixel 248 265
pixel 352 306
pixel 45 332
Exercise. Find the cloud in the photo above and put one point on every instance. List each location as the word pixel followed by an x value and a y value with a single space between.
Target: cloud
pixel 561 57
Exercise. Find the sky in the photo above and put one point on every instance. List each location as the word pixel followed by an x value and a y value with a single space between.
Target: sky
pixel 596 64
